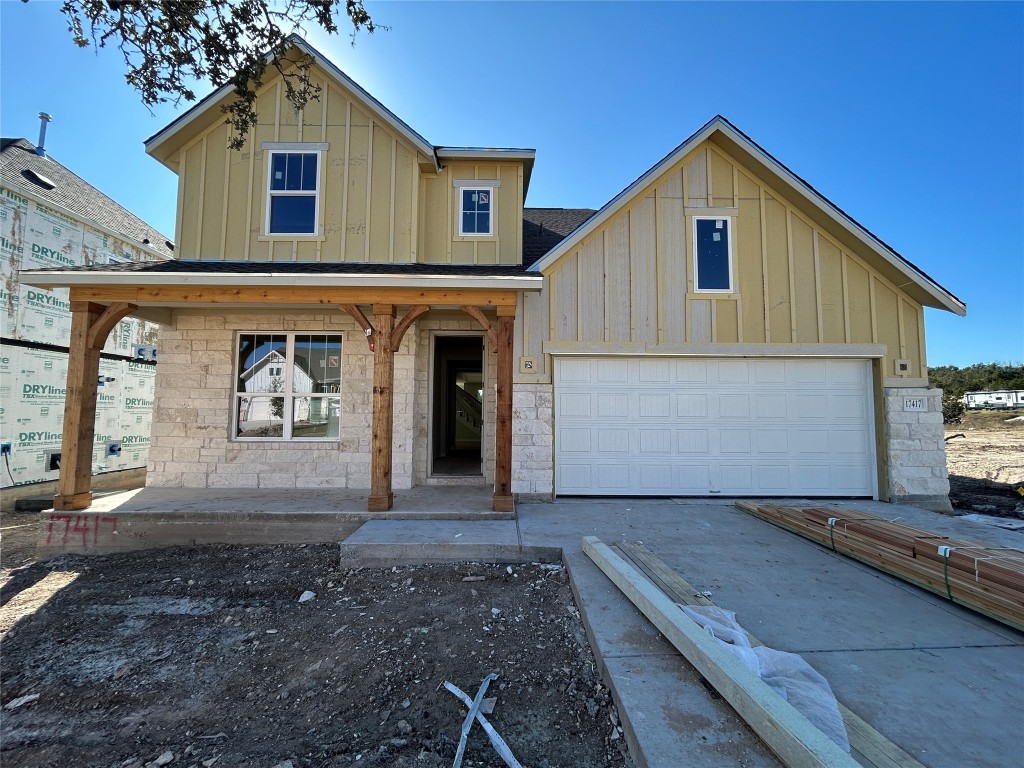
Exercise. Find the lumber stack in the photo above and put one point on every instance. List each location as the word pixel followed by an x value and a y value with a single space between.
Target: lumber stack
pixel 989 580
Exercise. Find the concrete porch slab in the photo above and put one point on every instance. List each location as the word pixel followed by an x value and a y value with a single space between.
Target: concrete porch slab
pixel 161 517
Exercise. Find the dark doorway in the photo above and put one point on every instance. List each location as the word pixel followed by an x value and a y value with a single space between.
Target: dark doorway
pixel 458 405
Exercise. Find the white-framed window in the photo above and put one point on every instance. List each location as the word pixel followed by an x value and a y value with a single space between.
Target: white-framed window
pixel 476 211
pixel 293 188
pixel 287 386
pixel 712 254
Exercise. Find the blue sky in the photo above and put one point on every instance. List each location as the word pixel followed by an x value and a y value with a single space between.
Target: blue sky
pixel 909 116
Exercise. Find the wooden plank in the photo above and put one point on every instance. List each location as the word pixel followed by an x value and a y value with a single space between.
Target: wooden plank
pixel 993 599
pixel 786 732
pixel 872 749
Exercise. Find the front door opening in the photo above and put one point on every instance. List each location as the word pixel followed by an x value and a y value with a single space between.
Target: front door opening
pixel 458 405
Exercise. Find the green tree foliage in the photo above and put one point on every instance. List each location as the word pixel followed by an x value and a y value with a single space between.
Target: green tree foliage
pixel 980 377
pixel 168 44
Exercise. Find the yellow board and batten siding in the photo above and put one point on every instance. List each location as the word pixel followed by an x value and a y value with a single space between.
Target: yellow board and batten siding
pixel 630 282
pixel 376 205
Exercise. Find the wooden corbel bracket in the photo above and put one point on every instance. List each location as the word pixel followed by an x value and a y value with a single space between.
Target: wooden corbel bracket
pixel 357 314
pixel 481 318
pixel 104 324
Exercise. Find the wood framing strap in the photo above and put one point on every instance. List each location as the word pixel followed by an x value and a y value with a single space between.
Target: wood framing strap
pixel 481 318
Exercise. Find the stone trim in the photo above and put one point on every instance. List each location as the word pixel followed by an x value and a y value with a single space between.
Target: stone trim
pixel 916 448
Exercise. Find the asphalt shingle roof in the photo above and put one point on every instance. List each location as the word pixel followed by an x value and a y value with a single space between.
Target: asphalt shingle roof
pixel 544 228
pixel 21 167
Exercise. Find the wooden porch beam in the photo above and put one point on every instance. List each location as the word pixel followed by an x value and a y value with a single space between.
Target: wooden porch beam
pixel 481 318
pixel 197 295
pixel 90 325
pixel 503 501
pixel 381 496
pixel 403 325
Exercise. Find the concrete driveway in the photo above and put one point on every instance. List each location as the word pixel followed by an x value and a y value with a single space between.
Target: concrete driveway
pixel 942 682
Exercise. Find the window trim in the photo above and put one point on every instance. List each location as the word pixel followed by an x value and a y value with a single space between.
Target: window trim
pixel 287 148
pixel 287 420
pixel 478 185
pixel 730 254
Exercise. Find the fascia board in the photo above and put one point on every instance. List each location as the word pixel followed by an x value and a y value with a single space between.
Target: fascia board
pixel 940 295
pixel 56 278
pixel 371 104
pixel 622 199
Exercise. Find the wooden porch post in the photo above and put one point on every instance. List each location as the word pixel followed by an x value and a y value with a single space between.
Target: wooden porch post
pixel 381 496
pixel 90 326
pixel 503 501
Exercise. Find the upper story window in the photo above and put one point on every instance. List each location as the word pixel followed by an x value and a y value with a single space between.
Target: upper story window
pixel 712 248
pixel 293 187
pixel 476 212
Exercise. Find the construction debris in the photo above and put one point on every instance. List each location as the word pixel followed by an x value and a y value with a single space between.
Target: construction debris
pixel 989 580
pixel 475 707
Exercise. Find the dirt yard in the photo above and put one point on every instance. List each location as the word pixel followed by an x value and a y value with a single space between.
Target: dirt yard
pixel 206 656
pixel 986 464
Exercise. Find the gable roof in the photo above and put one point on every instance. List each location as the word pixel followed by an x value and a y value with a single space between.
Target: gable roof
pixel 43 178
pixel 201 110
pixel 820 209
pixel 544 228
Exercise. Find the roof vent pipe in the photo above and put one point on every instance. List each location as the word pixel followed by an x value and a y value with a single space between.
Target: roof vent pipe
pixel 41 144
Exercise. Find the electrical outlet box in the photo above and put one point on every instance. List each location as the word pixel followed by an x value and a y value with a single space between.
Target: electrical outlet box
pixel 902 367
pixel 113 448
pixel 527 364
pixel 53 461
pixel 5 449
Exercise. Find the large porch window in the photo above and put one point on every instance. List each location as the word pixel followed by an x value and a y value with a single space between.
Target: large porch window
pixel 287 386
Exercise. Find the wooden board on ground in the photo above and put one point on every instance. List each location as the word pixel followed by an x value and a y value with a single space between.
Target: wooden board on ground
pixel 790 735
pixel 868 747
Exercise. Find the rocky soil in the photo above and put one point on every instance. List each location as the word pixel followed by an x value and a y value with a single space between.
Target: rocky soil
pixel 986 463
pixel 209 656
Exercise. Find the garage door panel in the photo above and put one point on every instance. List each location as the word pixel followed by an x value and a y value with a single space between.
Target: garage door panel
pixel 770 372
pixel 613 405
pixel 612 440
pixel 654 441
pixel 737 478
pixel 574 405
pixel 656 405
pixel 734 441
pixel 692 406
pixel 692 441
pixel 692 427
pixel 691 372
pixel 612 371
pixel 734 406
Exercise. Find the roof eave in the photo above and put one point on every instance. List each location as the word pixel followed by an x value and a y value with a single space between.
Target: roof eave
pixel 528 156
pixel 54 278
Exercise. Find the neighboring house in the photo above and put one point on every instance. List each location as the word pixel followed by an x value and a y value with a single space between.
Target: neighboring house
pixel 49 217
pixel 717 328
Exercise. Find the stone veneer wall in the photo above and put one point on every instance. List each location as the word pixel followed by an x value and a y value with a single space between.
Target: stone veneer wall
pixel 915 441
pixel 191 444
pixel 532 441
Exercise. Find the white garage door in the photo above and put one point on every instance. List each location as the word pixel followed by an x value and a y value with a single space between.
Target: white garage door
pixel 751 427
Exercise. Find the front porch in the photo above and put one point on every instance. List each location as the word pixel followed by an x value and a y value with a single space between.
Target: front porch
pixel 163 517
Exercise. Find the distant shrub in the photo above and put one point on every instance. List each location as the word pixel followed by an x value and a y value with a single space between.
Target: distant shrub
pixel 952 408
